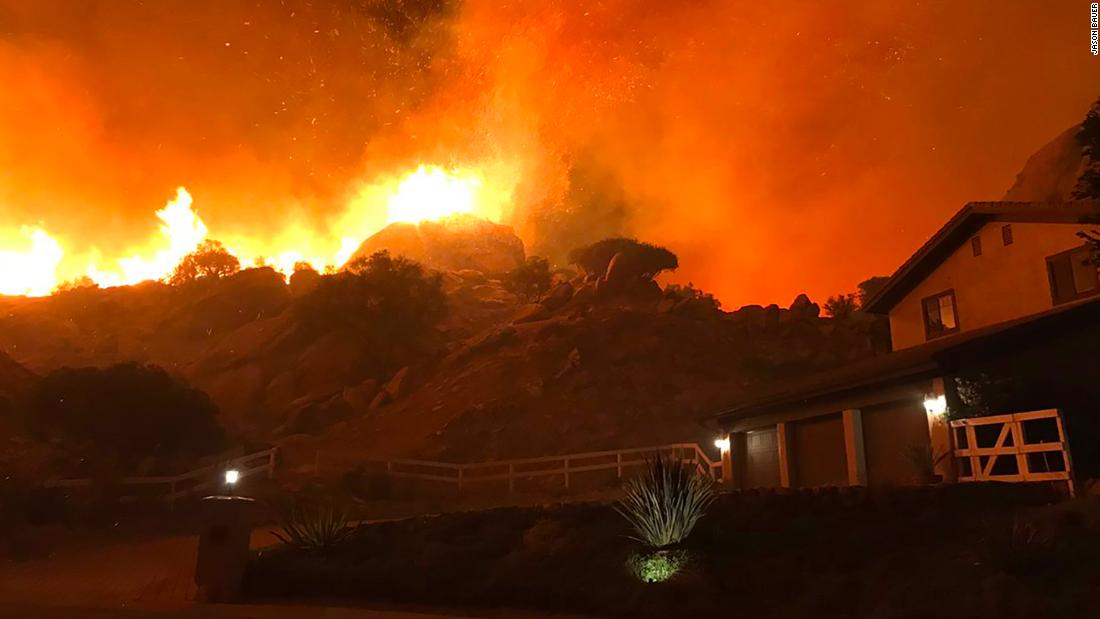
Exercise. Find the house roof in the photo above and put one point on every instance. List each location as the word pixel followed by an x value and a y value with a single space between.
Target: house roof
pixel 961 227
pixel 928 360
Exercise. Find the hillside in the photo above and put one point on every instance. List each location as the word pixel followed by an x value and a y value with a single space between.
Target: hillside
pixel 1051 173
pixel 585 367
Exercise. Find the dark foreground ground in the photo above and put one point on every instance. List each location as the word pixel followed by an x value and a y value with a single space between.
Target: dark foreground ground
pixel 952 551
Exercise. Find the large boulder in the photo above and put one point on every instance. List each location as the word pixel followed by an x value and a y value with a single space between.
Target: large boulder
pixel 457 243
pixel 557 297
pixel 803 308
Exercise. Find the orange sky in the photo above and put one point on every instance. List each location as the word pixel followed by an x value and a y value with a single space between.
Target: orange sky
pixel 776 147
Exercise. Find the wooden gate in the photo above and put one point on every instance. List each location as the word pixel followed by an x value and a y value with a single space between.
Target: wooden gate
pixel 1018 447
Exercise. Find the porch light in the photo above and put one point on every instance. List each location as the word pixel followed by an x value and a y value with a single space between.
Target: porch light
pixel 936 406
pixel 231 476
pixel 723 444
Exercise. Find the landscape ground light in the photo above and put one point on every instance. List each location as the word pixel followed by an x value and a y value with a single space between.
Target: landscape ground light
pixel 232 476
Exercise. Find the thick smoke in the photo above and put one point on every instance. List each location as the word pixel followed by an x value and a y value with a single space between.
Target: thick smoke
pixel 777 147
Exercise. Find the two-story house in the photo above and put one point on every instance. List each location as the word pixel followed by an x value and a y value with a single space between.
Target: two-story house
pixel 1000 281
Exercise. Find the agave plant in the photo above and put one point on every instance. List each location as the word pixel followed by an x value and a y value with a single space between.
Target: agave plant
pixel 665 502
pixel 314 526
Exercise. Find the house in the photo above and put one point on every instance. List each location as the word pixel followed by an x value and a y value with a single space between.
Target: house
pixel 1003 289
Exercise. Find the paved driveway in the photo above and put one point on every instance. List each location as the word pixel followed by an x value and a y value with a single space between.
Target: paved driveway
pixel 153 578
pixel 150 574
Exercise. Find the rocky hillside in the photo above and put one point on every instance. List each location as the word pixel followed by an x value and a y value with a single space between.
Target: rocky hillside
pixel 598 361
pixel 1051 174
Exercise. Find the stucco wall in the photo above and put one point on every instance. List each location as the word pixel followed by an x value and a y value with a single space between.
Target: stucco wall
pixel 889 430
pixel 819 455
pixel 1004 283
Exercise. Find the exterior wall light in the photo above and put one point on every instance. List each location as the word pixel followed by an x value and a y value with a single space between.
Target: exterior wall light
pixel 723 444
pixel 232 476
pixel 935 406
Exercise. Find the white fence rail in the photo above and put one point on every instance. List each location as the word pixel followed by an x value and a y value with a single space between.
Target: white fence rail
pixel 172 487
pixel 565 467
pixel 1018 447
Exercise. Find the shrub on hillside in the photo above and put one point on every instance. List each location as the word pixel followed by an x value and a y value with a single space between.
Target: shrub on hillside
pixel 841 306
pixel 642 259
pixel 122 415
pixel 209 260
pixel 530 279
pixel 688 291
pixel 392 300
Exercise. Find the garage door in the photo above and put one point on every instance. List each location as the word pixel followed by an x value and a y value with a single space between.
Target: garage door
pixel 761 459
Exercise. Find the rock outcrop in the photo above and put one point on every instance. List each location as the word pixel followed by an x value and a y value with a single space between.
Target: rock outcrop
pixel 453 244
pixel 1051 174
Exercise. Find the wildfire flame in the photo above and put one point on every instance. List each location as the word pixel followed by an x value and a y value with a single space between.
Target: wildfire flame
pixel 429 192
pixel 30 271
pixel 433 194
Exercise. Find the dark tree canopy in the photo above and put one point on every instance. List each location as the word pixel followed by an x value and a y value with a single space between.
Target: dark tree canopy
pixel 211 259
pixel 841 306
pixel 532 278
pixel 645 260
pixel 869 288
pixel 1088 185
pixel 124 414
pixel 391 300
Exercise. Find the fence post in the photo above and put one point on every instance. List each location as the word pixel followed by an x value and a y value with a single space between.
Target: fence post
pixel 619 463
pixel 271 463
pixel 567 472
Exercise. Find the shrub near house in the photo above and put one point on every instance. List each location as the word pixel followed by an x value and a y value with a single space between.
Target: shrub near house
pixel 877 553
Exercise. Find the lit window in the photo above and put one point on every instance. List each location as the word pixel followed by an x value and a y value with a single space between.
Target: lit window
pixel 976 245
pixel 1072 275
pixel 940 314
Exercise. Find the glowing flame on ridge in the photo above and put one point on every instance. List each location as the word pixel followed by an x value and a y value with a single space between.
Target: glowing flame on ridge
pixel 31 271
pixel 429 192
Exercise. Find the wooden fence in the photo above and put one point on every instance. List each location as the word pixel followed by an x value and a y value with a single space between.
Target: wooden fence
pixel 1018 447
pixel 173 487
pixel 565 467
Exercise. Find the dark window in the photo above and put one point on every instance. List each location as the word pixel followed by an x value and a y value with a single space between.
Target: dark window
pixel 1006 234
pixel 1072 275
pixel 940 315
pixel 976 245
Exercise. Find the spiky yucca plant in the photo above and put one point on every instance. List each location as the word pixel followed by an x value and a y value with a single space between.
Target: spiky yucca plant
pixel 665 502
pixel 314 526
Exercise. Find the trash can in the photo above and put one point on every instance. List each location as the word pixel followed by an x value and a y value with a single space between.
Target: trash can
pixel 223 546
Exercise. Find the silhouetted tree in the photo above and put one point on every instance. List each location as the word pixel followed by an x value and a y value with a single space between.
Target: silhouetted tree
pixel 76 283
pixel 841 306
pixel 869 288
pixel 530 279
pixel 1088 184
pixel 391 300
pixel 644 259
pixel 125 414
pixel 211 259
pixel 1092 239
pixel 303 279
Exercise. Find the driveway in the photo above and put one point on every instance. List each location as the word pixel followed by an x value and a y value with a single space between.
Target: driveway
pixel 154 578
